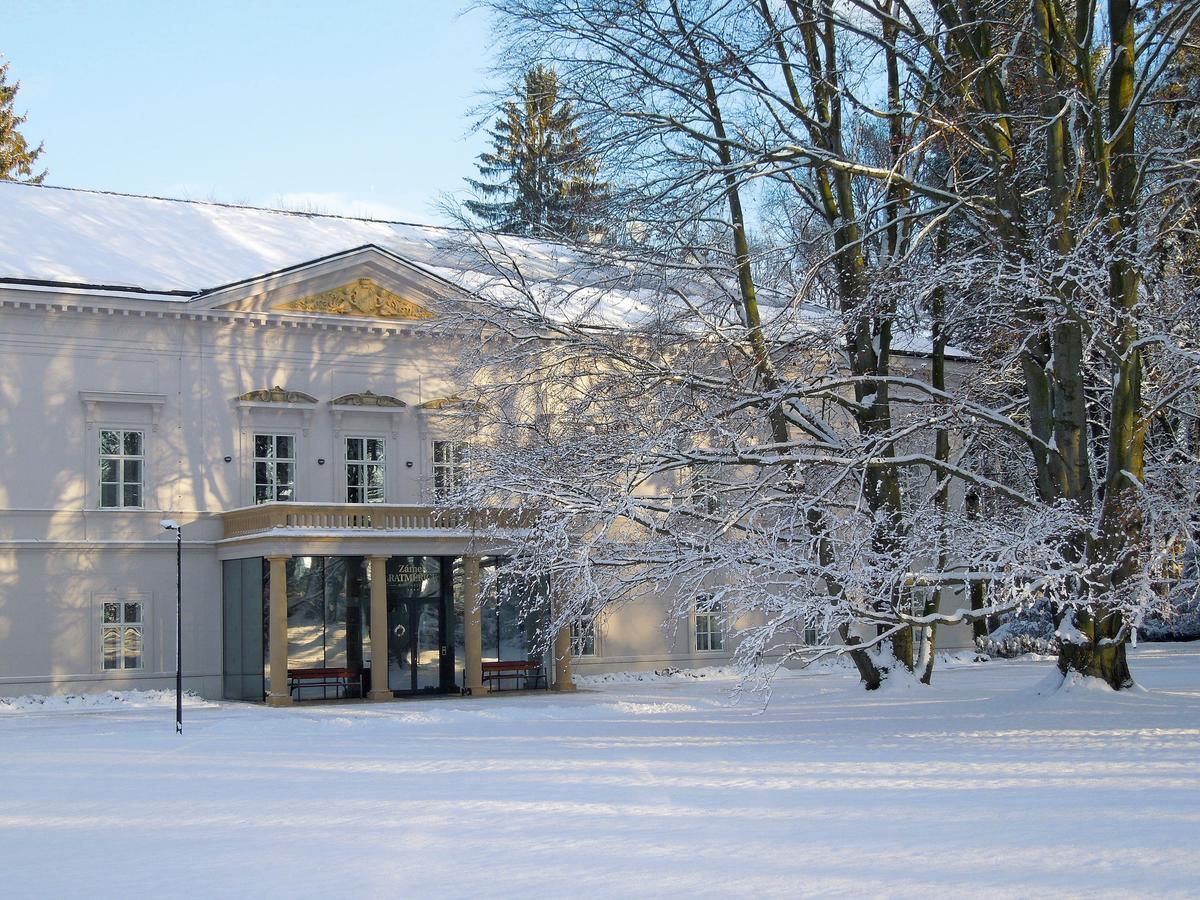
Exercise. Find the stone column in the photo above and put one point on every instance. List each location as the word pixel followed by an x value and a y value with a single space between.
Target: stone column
pixel 278 616
pixel 563 679
pixel 472 627
pixel 379 629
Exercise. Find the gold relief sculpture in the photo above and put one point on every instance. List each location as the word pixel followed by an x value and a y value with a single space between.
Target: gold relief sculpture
pixel 361 298
pixel 366 398
pixel 278 394
pixel 454 402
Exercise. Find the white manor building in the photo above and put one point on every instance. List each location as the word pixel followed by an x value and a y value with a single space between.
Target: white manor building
pixel 256 376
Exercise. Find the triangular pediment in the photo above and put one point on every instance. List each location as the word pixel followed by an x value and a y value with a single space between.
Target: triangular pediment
pixel 364 283
pixel 361 297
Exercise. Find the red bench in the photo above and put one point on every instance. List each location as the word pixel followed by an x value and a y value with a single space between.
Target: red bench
pixel 528 669
pixel 324 679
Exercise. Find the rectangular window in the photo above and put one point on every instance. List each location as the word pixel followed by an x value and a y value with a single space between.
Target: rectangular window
pixel 121 468
pixel 811 638
pixel 583 639
pixel 122 637
pixel 449 467
pixel 708 625
pixel 274 467
pixel 365 470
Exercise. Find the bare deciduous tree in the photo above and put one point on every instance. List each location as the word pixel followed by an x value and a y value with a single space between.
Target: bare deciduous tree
pixel 950 174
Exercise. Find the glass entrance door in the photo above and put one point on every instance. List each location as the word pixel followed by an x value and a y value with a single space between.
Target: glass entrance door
pixel 418 648
pixel 415 645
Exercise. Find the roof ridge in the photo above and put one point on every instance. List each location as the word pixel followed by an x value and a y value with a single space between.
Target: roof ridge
pixel 246 206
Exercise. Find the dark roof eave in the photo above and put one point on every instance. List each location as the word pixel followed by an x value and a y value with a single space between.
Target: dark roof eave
pixel 86 286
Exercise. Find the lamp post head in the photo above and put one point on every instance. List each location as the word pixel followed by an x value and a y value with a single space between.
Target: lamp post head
pixel 169 524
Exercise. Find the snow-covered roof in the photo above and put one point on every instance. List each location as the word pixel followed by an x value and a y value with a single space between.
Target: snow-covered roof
pixel 70 236
pixel 166 248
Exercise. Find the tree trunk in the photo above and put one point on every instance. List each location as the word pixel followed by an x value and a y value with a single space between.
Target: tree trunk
pixel 1098 646
pixel 980 628
pixel 941 451
pixel 902 647
pixel 1104 660
pixel 929 651
pixel 868 672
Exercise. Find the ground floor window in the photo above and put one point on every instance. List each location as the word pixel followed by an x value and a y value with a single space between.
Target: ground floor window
pixel 583 639
pixel 122 634
pixel 708 625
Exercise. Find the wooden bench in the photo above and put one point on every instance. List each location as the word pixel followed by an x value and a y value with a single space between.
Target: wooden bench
pixel 529 669
pixel 324 679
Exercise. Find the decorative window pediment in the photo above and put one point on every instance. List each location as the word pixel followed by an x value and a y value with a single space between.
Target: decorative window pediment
pixel 453 403
pixel 368 402
pixel 274 402
pixel 277 394
pixel 368 399
pixel 362 298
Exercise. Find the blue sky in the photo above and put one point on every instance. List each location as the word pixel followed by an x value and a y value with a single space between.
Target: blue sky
pixel 348 107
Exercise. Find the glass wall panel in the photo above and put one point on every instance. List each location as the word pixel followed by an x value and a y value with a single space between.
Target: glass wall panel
pixel 306 612
pixel 254 629
pixel 512 616
pixel 457 611
pixel 429 645
pixel 231 629
pixel 347 610
pixel 266 620
pixel 335 608
pixel 329 621
pixel 242 629
pixel 510 623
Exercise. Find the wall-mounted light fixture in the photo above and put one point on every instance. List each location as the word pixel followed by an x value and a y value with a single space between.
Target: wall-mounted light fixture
pixel 320 462
pixel 408 465
pixel 229 459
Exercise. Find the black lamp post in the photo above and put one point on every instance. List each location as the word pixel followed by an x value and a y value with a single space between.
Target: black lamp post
pixel 172 525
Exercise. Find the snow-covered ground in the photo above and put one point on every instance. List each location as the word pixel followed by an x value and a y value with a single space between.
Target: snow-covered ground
pixel 979 786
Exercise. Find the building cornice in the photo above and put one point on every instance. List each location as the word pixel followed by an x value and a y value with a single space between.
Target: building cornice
pixel 174 310
pixel 98 544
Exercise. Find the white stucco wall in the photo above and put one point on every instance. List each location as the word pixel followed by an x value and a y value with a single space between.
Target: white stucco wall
pixel 60 554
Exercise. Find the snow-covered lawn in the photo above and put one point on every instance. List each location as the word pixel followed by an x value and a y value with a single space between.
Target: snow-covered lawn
pixel 977 787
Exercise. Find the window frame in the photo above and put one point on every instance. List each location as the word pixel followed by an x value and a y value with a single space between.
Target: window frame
pixel 255 459
pixel 363 464
pixel 120 459
pixel 458 472
pixel 708 611
pixel 122 625
pixel 582 637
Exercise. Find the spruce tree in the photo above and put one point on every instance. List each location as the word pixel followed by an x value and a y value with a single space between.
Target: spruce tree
pixel 17 159
pixel 541 178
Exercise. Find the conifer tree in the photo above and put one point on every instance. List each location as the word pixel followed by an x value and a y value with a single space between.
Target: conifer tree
pixel 17 158
pixel 541 177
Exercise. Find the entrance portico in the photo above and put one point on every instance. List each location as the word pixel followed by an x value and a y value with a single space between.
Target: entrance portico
pixel 412 573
